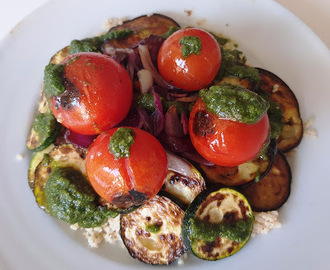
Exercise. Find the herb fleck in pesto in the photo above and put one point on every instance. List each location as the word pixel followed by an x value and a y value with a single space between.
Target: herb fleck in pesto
pixel 121 141
pixel 190 45
pixel 153 228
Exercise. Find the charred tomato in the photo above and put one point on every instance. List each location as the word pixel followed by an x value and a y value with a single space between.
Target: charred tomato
pixel 223 141
pixel 98 93
pixel 126 166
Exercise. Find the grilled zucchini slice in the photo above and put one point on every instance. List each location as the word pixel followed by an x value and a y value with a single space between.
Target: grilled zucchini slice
pixel 36 159
pixel 217 224
pixel 62 190
pixel 65 155
pixel 152 233
pixel 280 92
pixel 60 55
pixel 45 128
pixel 143 26
pixel 274 189
pixel 244 174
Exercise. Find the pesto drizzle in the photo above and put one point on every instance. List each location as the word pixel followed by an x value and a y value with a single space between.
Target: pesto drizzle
pixel 94 44
pixel 234 102
pixel 46 126
pixel 170 32
pixel 121 141
pixel 71 198
pixel 208 231
pixel 243 72
pixel 190 45
pixel 53 80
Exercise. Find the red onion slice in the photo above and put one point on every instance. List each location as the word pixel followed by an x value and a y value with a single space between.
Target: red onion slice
pixel 147 64
pixel 181 166
pixel 78 139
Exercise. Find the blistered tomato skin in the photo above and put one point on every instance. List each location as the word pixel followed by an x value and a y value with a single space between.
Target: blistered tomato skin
pixel 127 181
pixel 225 142
pixel 98 94
pixel 195 71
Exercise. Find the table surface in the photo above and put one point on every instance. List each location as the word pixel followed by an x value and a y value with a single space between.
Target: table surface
pixel 314 13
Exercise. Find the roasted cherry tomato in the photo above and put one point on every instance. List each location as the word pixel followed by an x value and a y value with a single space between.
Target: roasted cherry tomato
pixel 225 142
pixel 126 181
pixel 193 71
pixel 98 93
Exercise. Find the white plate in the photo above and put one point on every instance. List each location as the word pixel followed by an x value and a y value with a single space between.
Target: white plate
pixel 271 37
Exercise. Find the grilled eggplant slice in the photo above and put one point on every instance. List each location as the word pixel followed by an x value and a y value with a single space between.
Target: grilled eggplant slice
pixel 248 84
pixel 274 189
pixel 244 174
pixel 143 27
pixel 217 224
pixel 237 175
pixel 281 93
pixel 152 233
pixel 65 155
pixel 243 75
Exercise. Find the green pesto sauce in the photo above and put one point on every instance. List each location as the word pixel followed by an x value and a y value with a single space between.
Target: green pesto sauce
pixel 146 101
pixel 234 102
pixel 94 44
pixel 207 231
pixel 121 141
pixel 179 106
pixel 263 154
pixel 45 125
pixel 71 198
pixel 275 115
pixel 170 32
pixel 221 40
pixel 53 80
pixel 153 228
pixel 190 45
pixel 229 58
pixel 243 72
